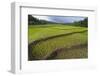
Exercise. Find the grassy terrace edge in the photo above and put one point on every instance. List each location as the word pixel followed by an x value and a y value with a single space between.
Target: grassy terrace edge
pixel 41 40
pixel 37 32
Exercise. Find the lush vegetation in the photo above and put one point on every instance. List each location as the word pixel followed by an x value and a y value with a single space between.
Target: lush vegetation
pixel 43 31
pixel 49 40
pixel 83 23
pixel 72 36
pixel 34 21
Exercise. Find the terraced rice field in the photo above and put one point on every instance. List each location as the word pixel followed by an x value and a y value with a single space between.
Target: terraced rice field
pixel 56 41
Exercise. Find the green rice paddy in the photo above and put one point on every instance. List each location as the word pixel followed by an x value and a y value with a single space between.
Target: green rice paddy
pixel 58 36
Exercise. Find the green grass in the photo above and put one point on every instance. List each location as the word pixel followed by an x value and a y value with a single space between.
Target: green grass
pixel 39 31
pixel 44 48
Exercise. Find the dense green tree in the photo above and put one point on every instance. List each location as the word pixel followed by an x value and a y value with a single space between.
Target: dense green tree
pixel 82 23
pixel 33 20
pixel 85 22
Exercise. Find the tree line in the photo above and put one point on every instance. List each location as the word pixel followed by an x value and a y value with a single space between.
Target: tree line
pixel 83 23
pixel 35 21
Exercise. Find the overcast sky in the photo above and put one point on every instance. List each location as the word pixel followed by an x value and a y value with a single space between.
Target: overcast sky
pixel 60 19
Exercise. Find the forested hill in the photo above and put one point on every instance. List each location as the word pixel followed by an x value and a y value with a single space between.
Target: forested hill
pixel 34 21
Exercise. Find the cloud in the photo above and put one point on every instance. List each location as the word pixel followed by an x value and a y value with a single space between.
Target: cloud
pixel 61 19
pixel 42 17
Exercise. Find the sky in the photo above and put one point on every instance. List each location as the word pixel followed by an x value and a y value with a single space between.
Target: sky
pixel 60 19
